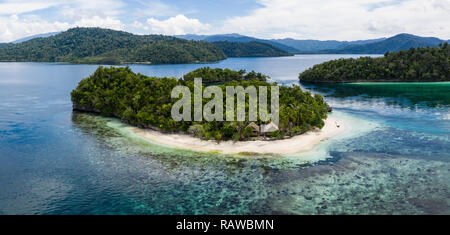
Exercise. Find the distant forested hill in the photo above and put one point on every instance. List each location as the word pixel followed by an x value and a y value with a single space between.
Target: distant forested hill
pixel 236 38
pixel 44 35
pixel 314 46
pixel 104 46
pixel 393 44
pixel 371 46
pixel 250 49
pixel 413 65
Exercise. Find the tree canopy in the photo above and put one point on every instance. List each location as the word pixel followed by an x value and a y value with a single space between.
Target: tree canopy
pixel 217 75
pixel 413 65
pixel 105 46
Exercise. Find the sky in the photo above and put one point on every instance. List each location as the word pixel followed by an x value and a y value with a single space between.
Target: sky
pixel 270 19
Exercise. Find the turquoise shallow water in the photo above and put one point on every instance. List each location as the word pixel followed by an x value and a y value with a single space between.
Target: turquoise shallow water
pixel 55 161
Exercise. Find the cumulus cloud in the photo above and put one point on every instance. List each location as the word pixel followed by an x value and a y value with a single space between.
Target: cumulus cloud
pixel 18 7
pixel 343 20
pixel 79 9
pixel 179 24
pixel 97 21
pixel 13 27
pixel 18 18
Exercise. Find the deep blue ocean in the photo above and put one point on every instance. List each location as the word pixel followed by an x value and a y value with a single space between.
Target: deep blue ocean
pixel 56 161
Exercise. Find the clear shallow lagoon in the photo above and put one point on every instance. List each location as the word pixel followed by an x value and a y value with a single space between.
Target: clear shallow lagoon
pixel 54 161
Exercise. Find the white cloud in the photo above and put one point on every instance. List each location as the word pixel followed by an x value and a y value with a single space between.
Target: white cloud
pixel 97 21
pixel 80 9
pixel 18 7
pixel 179 24
pixel 343 20
pixel 13 27
pixel 155 9
pixel 16 21
pixel 139 27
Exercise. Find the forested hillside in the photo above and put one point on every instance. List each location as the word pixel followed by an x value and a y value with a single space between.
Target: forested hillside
pixel 237 38
pixel 250 49
pixel 104 46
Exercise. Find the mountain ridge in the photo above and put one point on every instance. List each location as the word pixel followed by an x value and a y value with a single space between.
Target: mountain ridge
pixel 43 35
pixel 250 49
pixel 397 42
pixel 393 44
pixel 106 46
pixel 236 38
pixel 309 45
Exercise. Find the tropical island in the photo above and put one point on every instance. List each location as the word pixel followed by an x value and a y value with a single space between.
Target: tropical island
pixel 146 102
pixel 413 65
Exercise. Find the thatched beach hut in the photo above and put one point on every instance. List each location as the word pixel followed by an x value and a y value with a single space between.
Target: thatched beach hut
pixel 255 128
pixel 269 128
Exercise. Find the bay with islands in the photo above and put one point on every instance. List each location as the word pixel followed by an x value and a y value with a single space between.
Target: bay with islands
pixel 390 153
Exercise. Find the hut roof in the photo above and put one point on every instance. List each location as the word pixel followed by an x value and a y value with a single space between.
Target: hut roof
pixel 254 126
pixel 271 127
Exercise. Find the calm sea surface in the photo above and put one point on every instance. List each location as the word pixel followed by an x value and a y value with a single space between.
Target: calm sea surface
pixel 55 161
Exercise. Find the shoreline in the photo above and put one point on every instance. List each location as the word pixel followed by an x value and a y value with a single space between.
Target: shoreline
pixel 293 145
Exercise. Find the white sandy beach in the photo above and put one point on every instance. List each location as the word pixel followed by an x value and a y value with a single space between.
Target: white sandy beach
pixel 292 145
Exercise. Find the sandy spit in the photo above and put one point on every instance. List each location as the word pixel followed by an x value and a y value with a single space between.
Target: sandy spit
pixel 297 144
